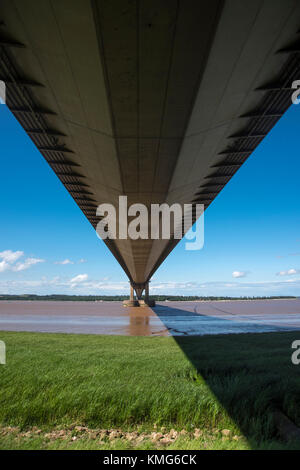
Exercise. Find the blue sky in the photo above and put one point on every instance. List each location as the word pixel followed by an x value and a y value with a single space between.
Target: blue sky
pixel 252 229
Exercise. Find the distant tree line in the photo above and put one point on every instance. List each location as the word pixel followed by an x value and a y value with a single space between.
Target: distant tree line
pixel 158 298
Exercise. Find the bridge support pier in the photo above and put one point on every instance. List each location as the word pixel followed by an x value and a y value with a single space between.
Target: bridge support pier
pixel 146 302
pixel 131 294
pixel 131 302
pixel 147 292
pixel 139 302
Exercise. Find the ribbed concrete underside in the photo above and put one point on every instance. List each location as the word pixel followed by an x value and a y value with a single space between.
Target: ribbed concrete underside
pixel 159 100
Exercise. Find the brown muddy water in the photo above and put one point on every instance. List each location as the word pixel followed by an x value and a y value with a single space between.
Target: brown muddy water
pixel 167 318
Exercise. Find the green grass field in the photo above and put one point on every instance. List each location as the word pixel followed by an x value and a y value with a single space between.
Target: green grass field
pixel 199 386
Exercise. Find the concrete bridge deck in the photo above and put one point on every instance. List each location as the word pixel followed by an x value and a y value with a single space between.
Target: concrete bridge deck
pixel 158 100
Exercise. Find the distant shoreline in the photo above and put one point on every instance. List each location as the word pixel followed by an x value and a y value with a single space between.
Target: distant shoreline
pixel 157 298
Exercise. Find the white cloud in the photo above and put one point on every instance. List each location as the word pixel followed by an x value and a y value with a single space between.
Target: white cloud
pixel 79 278
pixel 65 261
pixel 289 272
pixel 26 264
pixel 215 288
pixel 4 266
pixel 82 285
pixel 237 274
pixel 68 261
pixel 10 256
pixel 112 286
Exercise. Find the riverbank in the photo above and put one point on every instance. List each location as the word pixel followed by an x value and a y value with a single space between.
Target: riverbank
pixel 55 382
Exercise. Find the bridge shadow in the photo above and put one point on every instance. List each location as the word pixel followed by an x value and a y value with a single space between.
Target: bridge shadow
pixel 251 375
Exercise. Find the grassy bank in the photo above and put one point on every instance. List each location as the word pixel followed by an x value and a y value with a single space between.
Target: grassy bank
pixel 212 384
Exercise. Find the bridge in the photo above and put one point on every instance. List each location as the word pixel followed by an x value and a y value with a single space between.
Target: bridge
pixel 158 100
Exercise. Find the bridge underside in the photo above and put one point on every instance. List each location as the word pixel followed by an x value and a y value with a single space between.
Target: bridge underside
pixel 159 100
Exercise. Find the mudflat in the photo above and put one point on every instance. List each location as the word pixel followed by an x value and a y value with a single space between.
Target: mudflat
pixel 167 318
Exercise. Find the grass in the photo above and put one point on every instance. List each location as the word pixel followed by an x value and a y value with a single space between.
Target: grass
pixel 234 382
